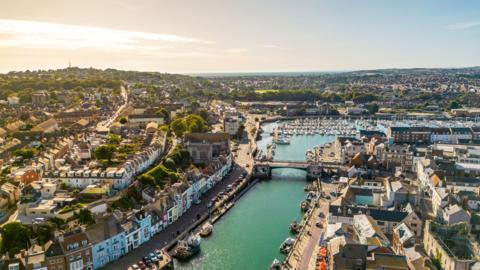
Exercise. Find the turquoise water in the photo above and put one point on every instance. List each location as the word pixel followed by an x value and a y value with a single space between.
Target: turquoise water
pixel 299 144
pixel 249 235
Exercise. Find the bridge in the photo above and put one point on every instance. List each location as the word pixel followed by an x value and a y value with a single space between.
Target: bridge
pixel 263 169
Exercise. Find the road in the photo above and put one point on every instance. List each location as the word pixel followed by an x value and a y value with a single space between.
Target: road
pixel 105 125
pixel 161 239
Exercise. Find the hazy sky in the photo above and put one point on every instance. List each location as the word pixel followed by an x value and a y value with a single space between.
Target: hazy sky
pixel 238 35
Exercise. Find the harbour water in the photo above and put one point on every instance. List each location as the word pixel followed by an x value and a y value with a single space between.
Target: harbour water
pixel 250 234
pixel 299 144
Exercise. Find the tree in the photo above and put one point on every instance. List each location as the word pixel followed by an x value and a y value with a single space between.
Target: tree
pixel 84 216
pixel 114 139
pixel 253 131
pixel 146 179
pixel 25 153
pixel 454 105
pixel 373 108
pixel 178 127
pixel 195 123
pixel 16 237
pixel 164 113
pixel 123 120
pixel 105 151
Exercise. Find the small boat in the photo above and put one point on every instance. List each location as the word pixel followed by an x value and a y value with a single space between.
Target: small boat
pixel 304 206
pixel 276 264
pixel 206 230
pixel 294 227
pixel 286 246
pixel 187 248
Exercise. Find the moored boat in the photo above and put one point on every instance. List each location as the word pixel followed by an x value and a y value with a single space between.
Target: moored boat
pixel 294 227
pixel 276 264
pixel 304 206
pixel 186 249
pixel 286 246
pixel 206 230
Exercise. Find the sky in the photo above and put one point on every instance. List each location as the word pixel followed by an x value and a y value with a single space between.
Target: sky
pixel 202 36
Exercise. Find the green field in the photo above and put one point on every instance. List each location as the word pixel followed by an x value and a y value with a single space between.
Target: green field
pixel 263 91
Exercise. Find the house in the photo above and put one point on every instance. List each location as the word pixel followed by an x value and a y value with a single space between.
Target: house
pixel 460 133
pixel 440 134
pixel 70 117
pixel 76 249
pixel 40 98
pixel 108 241
pixel 9 194
pixel 13 100
pixel 34 257
pixel 420 134
pixel 398 134
pixel 80 125
pixel 468 199
pixel 204 147
pixel 347 147
pixel 15 126
pixel 367 231
pixel 26 176
pixel 449 245
pixel 454 214
pixel 231 123
pixel 396 156
pixel 403 237
pixel 47 126
pixel 140 118
pixel 385 219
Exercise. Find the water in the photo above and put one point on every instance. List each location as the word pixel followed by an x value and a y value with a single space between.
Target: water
pixel 249 235
pixel 299 144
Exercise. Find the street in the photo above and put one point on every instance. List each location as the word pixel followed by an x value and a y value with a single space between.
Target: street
pixel 168 234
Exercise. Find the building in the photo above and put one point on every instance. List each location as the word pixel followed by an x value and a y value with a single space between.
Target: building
pixel 40 98
pixel 13 100
pixel 47 126
pixel 440 135
pixel 347 147
pixel 460 134
pixel 454 214
pixel 70 117
pixel 446 244
pixel 76 249
pixel 204 147
pixel 398 134
pixel 108 241
pixel 232 123
pixel 141 119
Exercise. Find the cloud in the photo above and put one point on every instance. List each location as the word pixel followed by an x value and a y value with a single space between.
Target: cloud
pixel 32 34
pixel 236 50
pixel 267 46
pixel 463 25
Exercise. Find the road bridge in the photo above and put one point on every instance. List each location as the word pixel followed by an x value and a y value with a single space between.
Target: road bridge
pixel 263 169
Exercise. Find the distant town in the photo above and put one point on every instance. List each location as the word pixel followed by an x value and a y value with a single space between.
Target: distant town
pixel 111 169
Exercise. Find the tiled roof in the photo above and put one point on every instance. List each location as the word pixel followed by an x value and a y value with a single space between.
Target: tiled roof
pixel 376 214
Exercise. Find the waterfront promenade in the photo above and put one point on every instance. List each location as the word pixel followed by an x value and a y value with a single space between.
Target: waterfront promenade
pixel 164 237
